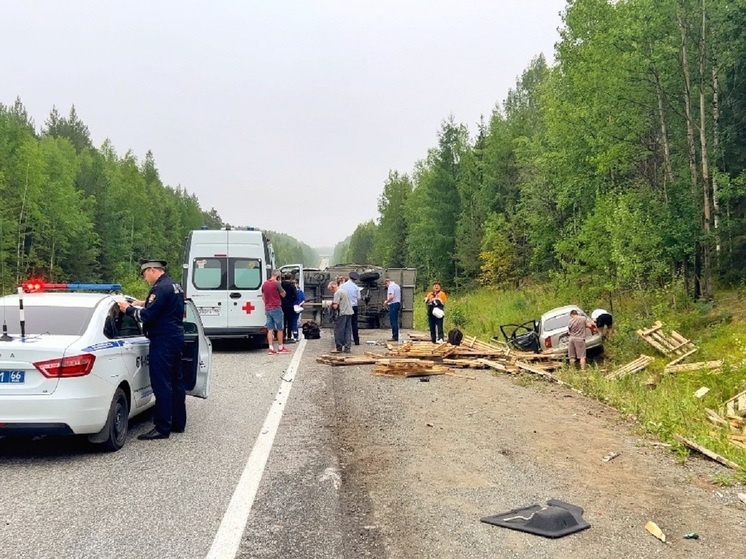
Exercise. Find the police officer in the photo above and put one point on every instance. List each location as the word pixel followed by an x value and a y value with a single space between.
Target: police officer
pixel 162 315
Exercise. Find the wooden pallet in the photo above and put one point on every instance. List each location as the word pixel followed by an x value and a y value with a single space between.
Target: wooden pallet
pixel 673 344
pixel 736 406
pixel 341 360
pixel 632 367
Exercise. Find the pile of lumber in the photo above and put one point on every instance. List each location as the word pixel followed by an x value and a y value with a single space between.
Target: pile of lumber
pixel 418 358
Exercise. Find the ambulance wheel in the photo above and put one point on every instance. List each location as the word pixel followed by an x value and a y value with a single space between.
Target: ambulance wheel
pixel 117 422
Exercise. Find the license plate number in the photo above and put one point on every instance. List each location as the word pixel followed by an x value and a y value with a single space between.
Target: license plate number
pixel 12 377
pixel 209 311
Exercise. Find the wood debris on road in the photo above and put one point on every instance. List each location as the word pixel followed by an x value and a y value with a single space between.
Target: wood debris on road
pixel 419 358
pixel 707 452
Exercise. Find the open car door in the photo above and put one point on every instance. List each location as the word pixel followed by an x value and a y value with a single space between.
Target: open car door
pixel 196 361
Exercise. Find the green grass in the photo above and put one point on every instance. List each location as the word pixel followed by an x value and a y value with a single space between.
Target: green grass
pixel 667 408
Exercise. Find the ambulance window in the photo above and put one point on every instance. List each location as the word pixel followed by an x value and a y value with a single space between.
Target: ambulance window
pixel 247 273
pixel 208 273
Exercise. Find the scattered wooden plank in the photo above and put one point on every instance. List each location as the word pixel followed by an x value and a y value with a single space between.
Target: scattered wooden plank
pixel 465 363
pixel 653 528
pixel 657 325
pixel 545 374
pixel 713 416
pixel 338 360
pixel 699 366
pixel 632 367
pixel 682 357
pixel 493 364
pixel 707 452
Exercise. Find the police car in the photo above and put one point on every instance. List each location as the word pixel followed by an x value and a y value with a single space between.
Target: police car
pixel 72 364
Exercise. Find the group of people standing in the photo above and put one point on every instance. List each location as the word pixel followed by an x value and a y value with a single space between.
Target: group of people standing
pixel 283 303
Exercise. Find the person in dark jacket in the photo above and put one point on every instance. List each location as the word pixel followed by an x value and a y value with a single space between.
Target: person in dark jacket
pixel 162 316
pixel 288 306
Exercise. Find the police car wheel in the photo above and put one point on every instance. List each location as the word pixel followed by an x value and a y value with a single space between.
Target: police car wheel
pixel 118 421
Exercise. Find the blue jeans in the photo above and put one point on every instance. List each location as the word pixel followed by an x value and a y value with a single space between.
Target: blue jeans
pixel 394 309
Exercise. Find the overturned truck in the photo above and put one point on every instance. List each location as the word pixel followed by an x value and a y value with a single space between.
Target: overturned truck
pixel 371 312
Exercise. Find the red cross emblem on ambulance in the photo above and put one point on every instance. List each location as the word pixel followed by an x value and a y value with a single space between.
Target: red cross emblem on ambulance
pixel 248 307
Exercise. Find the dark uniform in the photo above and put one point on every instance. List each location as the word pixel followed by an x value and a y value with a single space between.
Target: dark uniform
pixel 163 319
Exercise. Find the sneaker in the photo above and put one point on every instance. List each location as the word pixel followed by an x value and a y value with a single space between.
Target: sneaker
pixel 440 341
pixel 284 350
pixel 290 341
pixel 346 350
pixel 272 351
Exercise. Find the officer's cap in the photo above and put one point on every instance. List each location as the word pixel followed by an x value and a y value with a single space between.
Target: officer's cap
pixel 354 276
pixel 146 263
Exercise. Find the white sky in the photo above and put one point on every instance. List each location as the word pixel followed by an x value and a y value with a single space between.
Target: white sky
pixel 284 115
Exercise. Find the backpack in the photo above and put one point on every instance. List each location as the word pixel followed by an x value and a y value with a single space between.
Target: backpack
pixel 455 336
pixel 311 330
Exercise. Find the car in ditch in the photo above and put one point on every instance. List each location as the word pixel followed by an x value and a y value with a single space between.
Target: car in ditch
pixel 74 364
pixel 549 334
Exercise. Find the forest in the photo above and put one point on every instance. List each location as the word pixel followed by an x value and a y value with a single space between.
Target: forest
pixel 72 212
pixel 619 167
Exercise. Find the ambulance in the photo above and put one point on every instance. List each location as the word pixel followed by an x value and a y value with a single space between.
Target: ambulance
pixel 223 272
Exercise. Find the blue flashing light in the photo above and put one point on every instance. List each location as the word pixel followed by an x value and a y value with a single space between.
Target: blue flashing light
pixel 35 286
pixel 94 286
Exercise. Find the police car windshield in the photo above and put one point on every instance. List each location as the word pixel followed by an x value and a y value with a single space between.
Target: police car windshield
pixel 64 321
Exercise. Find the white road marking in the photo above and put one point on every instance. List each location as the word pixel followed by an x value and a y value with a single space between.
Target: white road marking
pixel 228 538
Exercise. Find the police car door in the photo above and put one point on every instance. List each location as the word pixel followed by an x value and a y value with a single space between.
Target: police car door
pixel 197 356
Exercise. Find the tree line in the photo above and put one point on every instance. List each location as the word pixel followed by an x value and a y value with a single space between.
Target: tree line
pixel 72 212
pixel 619 167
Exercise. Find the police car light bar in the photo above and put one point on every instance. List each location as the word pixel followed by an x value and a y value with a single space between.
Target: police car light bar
pixel 36 286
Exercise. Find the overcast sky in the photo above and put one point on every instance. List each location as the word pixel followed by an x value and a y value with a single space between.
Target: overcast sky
pixel 281 115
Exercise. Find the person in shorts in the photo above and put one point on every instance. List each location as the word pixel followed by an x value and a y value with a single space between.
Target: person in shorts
pixel 604 321
pixel 576 328
pixel 272 293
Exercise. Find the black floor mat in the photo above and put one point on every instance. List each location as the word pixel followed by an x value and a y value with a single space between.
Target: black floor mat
pixel 554 520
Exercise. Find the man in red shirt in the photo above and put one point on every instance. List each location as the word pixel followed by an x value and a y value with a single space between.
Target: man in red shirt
pixel 272 293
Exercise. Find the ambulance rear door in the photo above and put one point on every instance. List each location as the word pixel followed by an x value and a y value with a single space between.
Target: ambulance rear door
pixel 246 273
pixel 295 270
pixel 205 277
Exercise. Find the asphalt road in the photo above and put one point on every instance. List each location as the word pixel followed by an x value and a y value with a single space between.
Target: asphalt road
pixel 62 499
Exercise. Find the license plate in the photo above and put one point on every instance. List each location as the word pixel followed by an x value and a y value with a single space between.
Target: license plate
pixel 208 311
pixel 12 377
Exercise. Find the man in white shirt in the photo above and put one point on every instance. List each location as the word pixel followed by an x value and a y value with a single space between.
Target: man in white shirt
pixel 353 294
pixel 393 302
pixel 603 320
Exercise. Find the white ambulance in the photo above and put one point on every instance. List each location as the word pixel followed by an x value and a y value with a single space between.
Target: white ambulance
pixel 223 274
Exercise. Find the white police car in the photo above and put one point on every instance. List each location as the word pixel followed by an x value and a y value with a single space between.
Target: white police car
pixel 77 365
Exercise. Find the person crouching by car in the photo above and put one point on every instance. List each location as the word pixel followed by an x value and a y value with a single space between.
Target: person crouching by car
pixel 576 328
pixel 435 301
pixel 604 321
